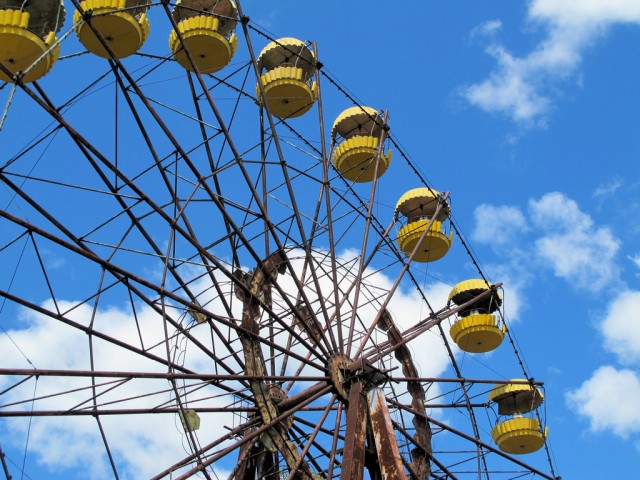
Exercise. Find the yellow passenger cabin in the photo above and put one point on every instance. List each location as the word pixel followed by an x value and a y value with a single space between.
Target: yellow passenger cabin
pixel 519 434
pixel 423 231
pixel 207 33
pixel 28 44
pixel 477 329
pixel 359 156
pixel 122 24
pixel 287 69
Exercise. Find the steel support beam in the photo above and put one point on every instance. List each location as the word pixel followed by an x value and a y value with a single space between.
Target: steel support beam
pixel 354 442
pixel 389 458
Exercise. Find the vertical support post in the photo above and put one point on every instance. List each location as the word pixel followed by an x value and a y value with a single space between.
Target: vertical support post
pixel 385 439
pixel 354 442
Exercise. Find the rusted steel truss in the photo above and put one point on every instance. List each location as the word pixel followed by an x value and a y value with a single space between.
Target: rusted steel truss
pixel 370 440
pixel 276 439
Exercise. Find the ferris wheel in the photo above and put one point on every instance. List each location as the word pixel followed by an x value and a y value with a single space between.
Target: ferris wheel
pixel 200 278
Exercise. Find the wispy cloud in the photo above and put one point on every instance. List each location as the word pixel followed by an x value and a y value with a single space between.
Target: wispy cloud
pixel 609 188
pixel 489 230
pixel 520 87
pixel 488 28
pixel 576 250
pixel 553 233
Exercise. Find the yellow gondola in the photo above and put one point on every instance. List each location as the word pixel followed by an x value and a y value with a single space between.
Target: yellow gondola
pixel 419 206
pixel 518 435
pixel 355 157
pixel 123 25
pixel 207 30
pixel 476 331
pixel 288 84
pixel 28 40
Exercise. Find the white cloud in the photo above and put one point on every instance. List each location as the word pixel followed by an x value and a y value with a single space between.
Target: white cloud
pixel 519 86
pixel 621 327
pixel 497 224
pixel 608 189
pixel 577 251
pixel 586 12
pixel 508 90
pixel 609 400
pixel 138 441
pixel 556 211
pixel 553 233
pixel 487 28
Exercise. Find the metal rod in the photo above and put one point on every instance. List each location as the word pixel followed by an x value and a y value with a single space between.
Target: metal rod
pixel 384 305
pixel 365 236
pixel 147 375
pixel 95 412
pixel 5 468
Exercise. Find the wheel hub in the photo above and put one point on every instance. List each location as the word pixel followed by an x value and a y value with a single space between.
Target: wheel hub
pixel 339 369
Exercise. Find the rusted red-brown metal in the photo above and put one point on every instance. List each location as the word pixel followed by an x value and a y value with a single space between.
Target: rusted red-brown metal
pixel 208 377
pixel 365 235
pixel 275 439
pixel 337 366
pixel 311 325
pixel 389 458
pixel 422 437
pixel 354 442
pixel 246 467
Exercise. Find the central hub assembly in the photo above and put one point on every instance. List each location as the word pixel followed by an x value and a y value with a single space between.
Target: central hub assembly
pixel 343 372
pixel 339 367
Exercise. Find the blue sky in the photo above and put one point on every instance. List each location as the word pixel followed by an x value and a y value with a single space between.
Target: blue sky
pixel 527 112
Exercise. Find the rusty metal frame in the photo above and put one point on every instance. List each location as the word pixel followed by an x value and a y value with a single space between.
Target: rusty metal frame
pixel 368 424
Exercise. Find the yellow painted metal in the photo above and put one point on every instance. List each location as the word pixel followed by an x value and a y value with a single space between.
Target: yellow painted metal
pixel 20 49
pixel 355 159
pixel 289 67
pixel 124 33
pixel 471 285
pixel 433 247
pixel 516 398
pixel 190 420
pixel 209 49
pixel 10 17
pixel 45 16
pixel 356 121
pixel 224 10
pixel 421 203
pixel 287 52
pixel 477 333
pixel 468 289
pixel 288 94
pixel 519 435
